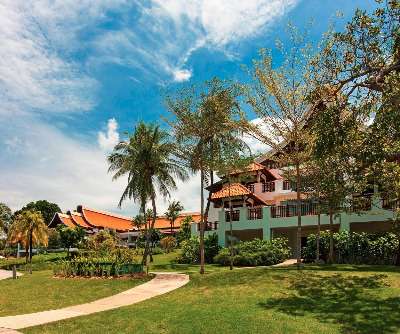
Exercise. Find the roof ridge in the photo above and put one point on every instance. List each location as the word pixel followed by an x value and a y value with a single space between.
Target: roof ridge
pixel 115 215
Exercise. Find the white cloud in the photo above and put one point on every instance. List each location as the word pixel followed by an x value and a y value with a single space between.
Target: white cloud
pixel 160 42
pixel 108 140
pixel 182 75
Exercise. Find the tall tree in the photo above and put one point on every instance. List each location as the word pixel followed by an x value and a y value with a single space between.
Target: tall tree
pixel 46 208
pixel 279 96
pixel 147 159
pixel 173 211
pixel 206 122
pixel 71 236
pixel 29 229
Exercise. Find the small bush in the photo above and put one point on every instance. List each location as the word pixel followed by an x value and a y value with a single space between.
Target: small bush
pixel 168 244
pixel 190 249
pixel 255 253
pixel 354 248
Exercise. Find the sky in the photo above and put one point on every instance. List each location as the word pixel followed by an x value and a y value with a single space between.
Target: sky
pixel 75 75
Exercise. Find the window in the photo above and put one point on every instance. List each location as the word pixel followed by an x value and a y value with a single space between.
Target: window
pixel 268 187
pixel 286 185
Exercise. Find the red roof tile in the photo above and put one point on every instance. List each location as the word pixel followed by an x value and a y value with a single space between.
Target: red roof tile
pixel 66 219
pixel 235 189
pixel 276 173
pixel 78 220
pixel 102 219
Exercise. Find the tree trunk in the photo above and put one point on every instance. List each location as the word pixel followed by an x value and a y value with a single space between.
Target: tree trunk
pixel 27 252
pixel 209 196
pixel 153 222
pixel 398 252
pixel 30 250
pixel 330 260
pixel 144 260
pixel 202 221
pixel 318 236
pixel 298 214
pixel 230 227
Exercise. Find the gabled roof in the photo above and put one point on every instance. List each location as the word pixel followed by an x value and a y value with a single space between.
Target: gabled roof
pixel 163 222
pixel 102 219
pixel 61 218
pixel 252 167
pixel 235 189
pixel 276 173
pixel 79 220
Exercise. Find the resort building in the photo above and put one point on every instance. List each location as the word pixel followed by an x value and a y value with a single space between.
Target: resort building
pixel 264 207
pixel 93 221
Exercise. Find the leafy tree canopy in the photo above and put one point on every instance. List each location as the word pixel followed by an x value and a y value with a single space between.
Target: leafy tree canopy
pixel 47 209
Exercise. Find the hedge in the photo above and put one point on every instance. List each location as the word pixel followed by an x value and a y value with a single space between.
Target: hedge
pixel 354 248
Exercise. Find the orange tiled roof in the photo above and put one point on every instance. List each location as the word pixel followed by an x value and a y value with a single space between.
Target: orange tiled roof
pixel 276 173
pixel 78 220
pixel 102 219
pixel 163 222
pixel 235 189
pixel 66 219
pixel 285 197
pixel 253 167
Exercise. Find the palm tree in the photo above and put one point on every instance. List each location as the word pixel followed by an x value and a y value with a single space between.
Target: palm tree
pixel 205 125
pixel 29 229
pixel 173 211
pixel 147 159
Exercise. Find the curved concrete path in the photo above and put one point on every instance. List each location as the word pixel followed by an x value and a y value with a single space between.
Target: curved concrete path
pixel 162 283
pixel 7 274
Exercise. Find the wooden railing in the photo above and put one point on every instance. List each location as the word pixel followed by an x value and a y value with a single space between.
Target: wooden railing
pixel 235 216
pixel 268 187
pixel 291 210
pixel 208 226
pixel 254 213
pixel 251 187
pixel 390 204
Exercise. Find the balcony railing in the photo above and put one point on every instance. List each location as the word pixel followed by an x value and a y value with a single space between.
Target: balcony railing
pixel 251 187
pixel 291 210
pixel 235 216
pixel 254 213
pixel 268 187
pixel 208 226
pixel 389 204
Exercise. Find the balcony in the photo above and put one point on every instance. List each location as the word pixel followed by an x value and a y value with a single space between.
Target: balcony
pixel 389 204
pixel 254 213
pixel 235 216
pixel 268 187
pixel 208 226
pixel 251 187
pixel 291 210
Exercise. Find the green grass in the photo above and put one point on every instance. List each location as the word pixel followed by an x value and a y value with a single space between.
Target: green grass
pixel 40 291
pixel 39 262
pixel 326 299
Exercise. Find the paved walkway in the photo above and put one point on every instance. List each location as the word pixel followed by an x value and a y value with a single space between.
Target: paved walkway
pixel 162 283
pixel 6 274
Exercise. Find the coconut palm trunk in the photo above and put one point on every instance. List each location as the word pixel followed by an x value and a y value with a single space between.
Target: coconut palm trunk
pixel 298 207
pixel 202 258
pixel 230 226
pixel 318 234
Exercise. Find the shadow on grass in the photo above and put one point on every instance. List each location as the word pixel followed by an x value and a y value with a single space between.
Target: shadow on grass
pixel 353 302
pixel 344 268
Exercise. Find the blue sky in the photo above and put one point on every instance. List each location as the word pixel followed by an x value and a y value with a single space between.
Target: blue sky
pixel 75 74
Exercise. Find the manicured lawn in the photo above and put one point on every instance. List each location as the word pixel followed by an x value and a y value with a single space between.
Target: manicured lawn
pixel 39 262
pixel 40 291
pixel 327 299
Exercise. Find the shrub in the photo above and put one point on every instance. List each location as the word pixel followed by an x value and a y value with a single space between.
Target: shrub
pixel 54 239
pixel 255 253
pixel 168 244
pixel 93 264
pixel 190 249
pixel 354 248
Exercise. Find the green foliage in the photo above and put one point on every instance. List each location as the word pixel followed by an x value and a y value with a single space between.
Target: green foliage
pixel 184 232
pixel 190 249
pixel 102 242
pixel 5 218
pixel 54 241
pixel 355 248
pixel 173 211
pixel 47 209
pixel 168 244
pixel 255 253
pixel 70 237
pixel 96 264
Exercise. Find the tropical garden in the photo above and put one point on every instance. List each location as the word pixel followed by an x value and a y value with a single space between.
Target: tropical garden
pixel 330 113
